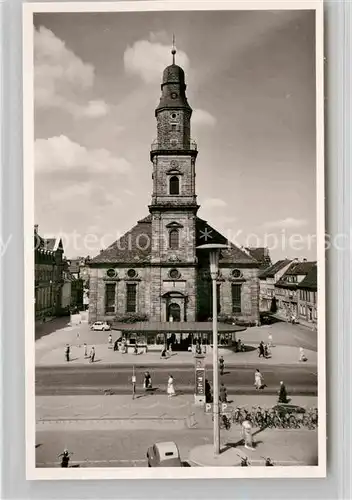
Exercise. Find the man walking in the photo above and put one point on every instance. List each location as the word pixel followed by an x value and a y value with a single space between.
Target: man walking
pixel 223 393
pixel 92 354
pixel 282 394
pixel 258 380
pixel 67 352
pixel 261 349
pixel 221 365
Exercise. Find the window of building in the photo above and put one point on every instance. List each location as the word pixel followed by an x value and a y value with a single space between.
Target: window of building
pixel 110 292
pixel 236 273
pixel 131 295
pixel 173 239
pixel 131 273
pixel 174 185
pixel 174 274
pixel 236 298
pixel 173 127
pixel 111 273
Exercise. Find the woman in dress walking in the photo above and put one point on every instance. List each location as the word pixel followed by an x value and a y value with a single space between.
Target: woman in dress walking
pixel 258 379
pixel 170 387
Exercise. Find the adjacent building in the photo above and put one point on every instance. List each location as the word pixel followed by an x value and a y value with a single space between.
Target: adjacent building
pixel 155 271
pixel 307 298
pixel 268 279
pixel 288 287
pixel 48 265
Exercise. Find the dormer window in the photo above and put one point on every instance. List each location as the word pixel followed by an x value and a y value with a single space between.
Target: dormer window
pixel 174 185
pixel 173 239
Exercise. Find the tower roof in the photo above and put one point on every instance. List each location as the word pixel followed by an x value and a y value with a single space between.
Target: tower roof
pixel 173 74
pixel 173 87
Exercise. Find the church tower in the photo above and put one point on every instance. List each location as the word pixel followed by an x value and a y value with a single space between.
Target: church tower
pixel 174 203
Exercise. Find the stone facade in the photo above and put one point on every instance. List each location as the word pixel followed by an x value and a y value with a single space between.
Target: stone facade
pixel 155 271
pixel 48 262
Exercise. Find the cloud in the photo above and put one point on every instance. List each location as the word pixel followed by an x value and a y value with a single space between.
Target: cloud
pixel 61 155
pixel 60 76
pixel 201 117
pixel 148 58
pixel 129 192
pixel 288 223
pixel 214 203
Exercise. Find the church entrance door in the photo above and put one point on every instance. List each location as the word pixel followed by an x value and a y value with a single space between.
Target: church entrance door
pixel 174 310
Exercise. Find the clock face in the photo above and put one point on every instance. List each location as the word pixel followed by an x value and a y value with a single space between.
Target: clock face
pixel 173 95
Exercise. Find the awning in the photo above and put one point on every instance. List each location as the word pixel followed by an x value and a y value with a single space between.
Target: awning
pixel 176 327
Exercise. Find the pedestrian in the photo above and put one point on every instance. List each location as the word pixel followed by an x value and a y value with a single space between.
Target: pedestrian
pixel 134 380
pixel 221 365
pixel 135 349
pixel 67 352
pixel 247 434
pixel 116 345
pixel 223 393
pixel 164 353
pixel 266 351
pixel 65 458
pixel 207 388
pixel 240 346
pixel 270 340
pixel 198 348
pixel 170 387
pixel 147 384
pixel 85 350
pixel 261 349
pixel 302 355
pixel 110 340
pixel 282 394
pixel 258 380
pixel 92 354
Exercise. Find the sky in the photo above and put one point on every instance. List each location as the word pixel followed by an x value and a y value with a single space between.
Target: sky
pixel 251 84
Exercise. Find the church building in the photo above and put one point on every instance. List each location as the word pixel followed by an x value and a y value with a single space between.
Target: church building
pixel 154 272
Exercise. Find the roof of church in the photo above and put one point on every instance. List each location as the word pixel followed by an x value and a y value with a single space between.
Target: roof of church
pixel 134 247
pixel 261 254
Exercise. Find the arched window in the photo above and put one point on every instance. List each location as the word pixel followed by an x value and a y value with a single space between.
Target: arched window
pixel 173 239
pixel 174 185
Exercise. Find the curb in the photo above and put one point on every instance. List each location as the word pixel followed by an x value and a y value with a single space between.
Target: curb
pixel 157 365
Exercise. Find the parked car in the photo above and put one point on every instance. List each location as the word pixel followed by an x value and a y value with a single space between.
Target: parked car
pixel 100 325
pixel 164 454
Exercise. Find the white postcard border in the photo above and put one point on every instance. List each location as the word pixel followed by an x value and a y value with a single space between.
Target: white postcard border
pixel 33 473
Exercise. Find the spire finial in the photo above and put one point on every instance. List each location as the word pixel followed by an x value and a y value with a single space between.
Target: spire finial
pixel 173 51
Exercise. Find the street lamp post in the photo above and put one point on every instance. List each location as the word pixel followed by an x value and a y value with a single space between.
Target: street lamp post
pixel 214 253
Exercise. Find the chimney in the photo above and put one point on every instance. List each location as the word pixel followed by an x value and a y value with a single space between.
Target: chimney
pixel 36 228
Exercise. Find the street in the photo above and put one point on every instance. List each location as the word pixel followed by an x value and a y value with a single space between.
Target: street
pixel 93 379
pixel 127 448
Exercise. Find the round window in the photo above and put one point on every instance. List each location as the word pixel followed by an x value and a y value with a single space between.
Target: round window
pixel 111 273
pixel 236 273
pixel 174 274
pixel 131 273
pixel 173 95
pixel 173 115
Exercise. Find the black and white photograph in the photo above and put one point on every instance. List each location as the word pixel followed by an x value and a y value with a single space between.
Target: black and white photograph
pixel 174 211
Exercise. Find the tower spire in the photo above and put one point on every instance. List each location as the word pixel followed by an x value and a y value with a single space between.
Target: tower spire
pixel 173 51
